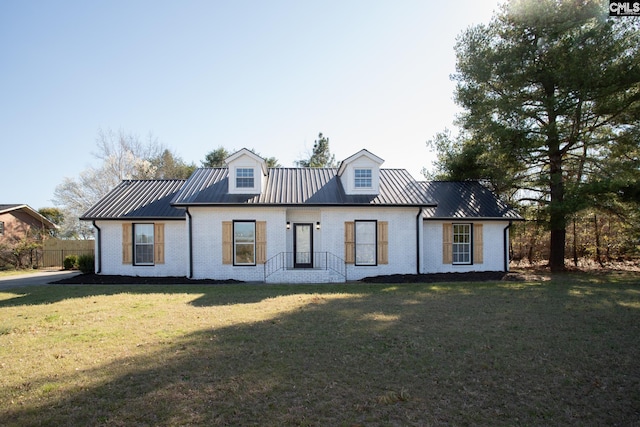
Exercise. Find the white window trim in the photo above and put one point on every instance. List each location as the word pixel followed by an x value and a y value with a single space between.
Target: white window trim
pixel 235 243
pixel 136 244
pixel 375 243
pixel 243 170
pixel 357 179
pixel 468 244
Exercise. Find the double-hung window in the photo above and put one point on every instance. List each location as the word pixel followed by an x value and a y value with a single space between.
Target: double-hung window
pixel 143 244
pixel 365 242
pixel 461 244
pixel 362 178
pixel 244 178
pixel 244 243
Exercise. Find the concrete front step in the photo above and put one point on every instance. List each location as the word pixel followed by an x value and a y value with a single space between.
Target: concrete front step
pixel 305 276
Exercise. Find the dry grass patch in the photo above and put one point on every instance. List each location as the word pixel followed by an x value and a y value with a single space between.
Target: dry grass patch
pixel 560 352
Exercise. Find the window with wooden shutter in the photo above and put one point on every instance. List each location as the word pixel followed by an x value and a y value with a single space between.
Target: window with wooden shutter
pixel 478 257
pixel 244 243
pixel 447 243
pixel 349 242
pixel 227 242
pixel 143 244
pixel 261 242
pixel 158 244
pixel 383 242
pixel 127 243
pixel 462 244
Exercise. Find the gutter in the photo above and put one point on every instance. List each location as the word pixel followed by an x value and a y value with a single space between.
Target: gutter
pixel 418 225
pixel 505 233
pixel 99 241
pixel 190 276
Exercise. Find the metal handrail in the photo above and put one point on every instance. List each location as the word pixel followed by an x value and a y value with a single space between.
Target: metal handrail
pixel 320 261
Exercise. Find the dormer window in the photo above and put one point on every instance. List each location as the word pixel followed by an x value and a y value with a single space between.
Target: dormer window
pixel 244 178
pixel 360 174
pixel 362 178
pixel 247 172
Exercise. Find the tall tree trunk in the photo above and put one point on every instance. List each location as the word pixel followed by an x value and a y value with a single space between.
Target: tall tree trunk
pixel 575 243
pixel 557 217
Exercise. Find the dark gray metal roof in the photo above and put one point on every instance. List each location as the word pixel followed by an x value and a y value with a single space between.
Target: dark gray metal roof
pixel 139 199
pixel 7 208
pixel 301 186
pixel 465 200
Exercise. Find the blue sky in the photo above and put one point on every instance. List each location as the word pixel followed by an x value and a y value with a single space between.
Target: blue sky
pixel 268 75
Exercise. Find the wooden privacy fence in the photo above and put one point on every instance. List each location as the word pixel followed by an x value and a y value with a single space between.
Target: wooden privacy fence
pixel 55 257
pixel 54 251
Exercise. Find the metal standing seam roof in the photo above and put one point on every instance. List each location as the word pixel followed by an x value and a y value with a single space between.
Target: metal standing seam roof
pixel 139 199
pixel 158 199
pixel 301 186
pixel 465 200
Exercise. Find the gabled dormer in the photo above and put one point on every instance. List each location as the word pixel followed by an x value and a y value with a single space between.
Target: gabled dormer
pixel 360 173
pixel 247 172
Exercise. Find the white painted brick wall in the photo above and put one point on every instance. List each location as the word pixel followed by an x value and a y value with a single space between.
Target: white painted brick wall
pixel 493 248
pixel 402 238
pixel 175 246
pixel 207 240
pixel 207 243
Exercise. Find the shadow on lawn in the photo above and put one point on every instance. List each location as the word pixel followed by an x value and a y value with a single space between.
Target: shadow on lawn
pixel 224 294
pixel 446 354
pixel 204 295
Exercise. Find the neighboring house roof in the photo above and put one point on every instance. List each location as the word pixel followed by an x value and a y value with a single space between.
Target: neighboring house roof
pixel 465 200
pixel 301 186
pixel 139 199
pixel 9 208
pixel 6 208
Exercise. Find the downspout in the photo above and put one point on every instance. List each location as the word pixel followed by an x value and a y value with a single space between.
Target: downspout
pixel 505 233
pixel 190 245
pixel 418 225
pixel 99 241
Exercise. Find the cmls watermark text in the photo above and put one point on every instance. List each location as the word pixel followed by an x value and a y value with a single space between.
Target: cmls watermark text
pixel 624 8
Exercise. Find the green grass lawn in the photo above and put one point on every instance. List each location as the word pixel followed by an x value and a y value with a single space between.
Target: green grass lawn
pixel 560 352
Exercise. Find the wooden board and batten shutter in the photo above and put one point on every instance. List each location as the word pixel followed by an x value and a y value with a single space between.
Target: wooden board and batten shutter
pixel 127 243
pixel 478 257
pixel 447 243
pixel 158 243
pixel 227 242
pixel 383 242
pixel 261 242
pixel 349 242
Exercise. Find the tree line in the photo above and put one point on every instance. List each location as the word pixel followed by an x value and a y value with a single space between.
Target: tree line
pixel 550 97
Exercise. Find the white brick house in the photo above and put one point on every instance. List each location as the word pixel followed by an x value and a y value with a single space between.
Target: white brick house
pixel 251 223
